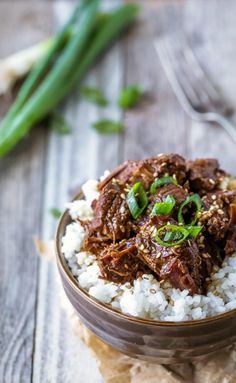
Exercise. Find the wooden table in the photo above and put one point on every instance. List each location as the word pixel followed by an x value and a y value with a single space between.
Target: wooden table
pixel 36 341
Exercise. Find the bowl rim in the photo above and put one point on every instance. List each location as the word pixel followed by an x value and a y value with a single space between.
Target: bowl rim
pixel 61 263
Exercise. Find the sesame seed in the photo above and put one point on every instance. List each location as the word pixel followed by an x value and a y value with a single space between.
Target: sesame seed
pixel 152 291
pixel 211 181
pixel 122 196
pixel 213 197
pixel 206 255
pixel 142 247
pixel 152 228
pixel 201 239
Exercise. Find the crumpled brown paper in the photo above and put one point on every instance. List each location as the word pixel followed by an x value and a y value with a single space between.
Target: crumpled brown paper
pixel 116 367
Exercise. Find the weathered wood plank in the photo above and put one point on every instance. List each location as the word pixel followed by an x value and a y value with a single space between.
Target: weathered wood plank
pixel 157 126
pixel 163 126
pixel 21 175
pixel 59 355
pixel 214 45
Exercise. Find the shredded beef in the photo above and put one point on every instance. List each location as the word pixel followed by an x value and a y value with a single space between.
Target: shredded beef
pixel 148 170
pixel 119 263
pixel 112 220
pixel 230 246
pixel 204 174
pixel 126 248
pixel 216 213
pixel 182 266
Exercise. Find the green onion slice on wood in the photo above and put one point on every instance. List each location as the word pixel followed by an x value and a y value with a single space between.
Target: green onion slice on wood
pixel 137 200
pixel 160 182
pixel 194 199
pixel 164 208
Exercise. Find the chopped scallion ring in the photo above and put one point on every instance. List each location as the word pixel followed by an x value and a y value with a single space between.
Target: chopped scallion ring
pixel 160 182
pixel 137 200
pixel 164 208
pixel 195 198
pixel 171 235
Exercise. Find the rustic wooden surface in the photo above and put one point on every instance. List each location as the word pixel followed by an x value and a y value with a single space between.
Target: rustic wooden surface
pixel 36 342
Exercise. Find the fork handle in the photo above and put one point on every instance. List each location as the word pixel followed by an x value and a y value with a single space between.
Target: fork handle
pixel 227 125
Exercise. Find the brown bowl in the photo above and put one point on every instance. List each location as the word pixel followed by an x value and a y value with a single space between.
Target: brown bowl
pixel 155 341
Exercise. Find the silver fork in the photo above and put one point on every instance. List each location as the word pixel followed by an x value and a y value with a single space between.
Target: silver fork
pixel 196 93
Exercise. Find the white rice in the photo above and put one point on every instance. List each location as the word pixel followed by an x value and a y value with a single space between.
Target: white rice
pixel 146 298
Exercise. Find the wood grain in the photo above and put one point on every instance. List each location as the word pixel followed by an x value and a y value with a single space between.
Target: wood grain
pixel 21 176
pixel 37 343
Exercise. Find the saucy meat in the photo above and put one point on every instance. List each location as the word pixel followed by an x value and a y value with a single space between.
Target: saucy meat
pixel 204 174
pixel 181 265
pixel 119 262
pixel 165 216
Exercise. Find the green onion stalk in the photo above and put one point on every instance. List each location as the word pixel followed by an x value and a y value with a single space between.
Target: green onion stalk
pixel 65 64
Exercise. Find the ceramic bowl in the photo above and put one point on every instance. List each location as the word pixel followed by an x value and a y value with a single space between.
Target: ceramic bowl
pixel 154 341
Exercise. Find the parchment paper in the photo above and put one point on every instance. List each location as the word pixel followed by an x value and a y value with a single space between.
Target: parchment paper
pixel 116 367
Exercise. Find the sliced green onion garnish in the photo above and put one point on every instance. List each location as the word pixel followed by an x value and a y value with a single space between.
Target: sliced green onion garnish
pixel 194 230
pixel 195 198
pixel 160 182
pixel 171 235
pixel 137 200
pixel 164 208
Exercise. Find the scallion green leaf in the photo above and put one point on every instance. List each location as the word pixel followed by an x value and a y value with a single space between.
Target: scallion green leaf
pixel 49 84
pixel 194 230
pixel 130 96
pixel 108 126
pixel 193 199
pixel 94 95
pixel 164 208
pixel 137 200
pixel 160 182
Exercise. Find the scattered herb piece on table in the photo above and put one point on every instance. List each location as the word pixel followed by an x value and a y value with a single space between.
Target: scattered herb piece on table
pixel 94 95
pixel 108 126
pixel 130 96
pixel 59 125
pixel 56 213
